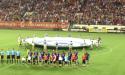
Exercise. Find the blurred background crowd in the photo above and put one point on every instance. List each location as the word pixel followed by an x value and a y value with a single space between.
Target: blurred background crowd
pixel 95 12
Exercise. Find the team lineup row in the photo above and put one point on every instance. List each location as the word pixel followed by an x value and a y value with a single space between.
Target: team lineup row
pixel 44 57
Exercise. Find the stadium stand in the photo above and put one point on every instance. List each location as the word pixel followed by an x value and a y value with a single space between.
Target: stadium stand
pixel 90 12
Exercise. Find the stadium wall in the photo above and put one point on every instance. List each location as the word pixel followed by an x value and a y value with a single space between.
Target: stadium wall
pixel 33 25
pixel 98 28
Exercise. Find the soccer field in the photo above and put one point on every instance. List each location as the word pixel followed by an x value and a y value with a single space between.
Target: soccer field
pixel 107 60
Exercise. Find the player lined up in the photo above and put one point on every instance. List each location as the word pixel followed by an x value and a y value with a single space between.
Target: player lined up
pixel 10 56
pixel 44 57
pixel 64 58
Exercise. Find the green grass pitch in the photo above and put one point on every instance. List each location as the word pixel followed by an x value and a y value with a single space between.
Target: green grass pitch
pixel 108 60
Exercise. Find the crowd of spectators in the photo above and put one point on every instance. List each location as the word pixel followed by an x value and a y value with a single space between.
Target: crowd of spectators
pixel 101 12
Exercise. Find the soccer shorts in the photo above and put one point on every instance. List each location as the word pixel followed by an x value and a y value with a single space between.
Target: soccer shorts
pixel 8 56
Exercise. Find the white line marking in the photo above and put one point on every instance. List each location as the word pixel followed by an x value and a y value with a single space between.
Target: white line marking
pixel 103 53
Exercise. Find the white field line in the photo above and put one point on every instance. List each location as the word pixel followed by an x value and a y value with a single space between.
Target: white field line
pixel 103 53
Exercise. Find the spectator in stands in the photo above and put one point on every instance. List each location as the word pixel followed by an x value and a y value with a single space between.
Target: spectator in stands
pixel 102 12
